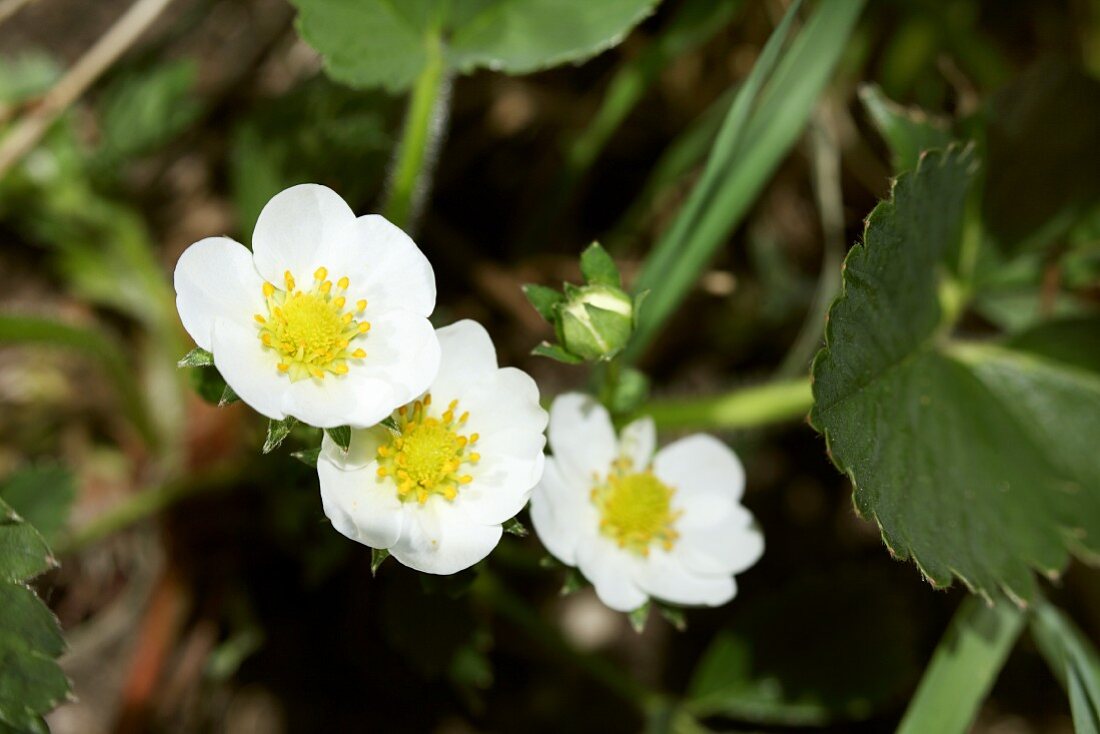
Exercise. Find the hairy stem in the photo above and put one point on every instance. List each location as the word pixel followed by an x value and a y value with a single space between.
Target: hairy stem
pixel 424 123
pixel 746 407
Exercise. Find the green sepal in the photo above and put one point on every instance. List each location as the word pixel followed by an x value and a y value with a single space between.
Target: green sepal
pixel 229 396
pixel 613 328
pixel 574 581
pixel 674 616
pixel 597 266
pixel 341 435
pixel 197 357
pixel 556 352
pixel 515 527
pixel 277 431
pixel 639 617
pixel 377 556
pixel 545 300
pixel 308 456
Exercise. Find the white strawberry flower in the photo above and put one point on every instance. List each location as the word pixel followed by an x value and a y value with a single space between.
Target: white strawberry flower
pixel 639 523
pixel 435 488
pixel 326 320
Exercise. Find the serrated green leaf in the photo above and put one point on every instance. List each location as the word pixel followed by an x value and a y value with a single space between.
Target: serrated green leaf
pixel 277 431
pixel 639 617
pixel 31 682
pixel 308 456
pixel 42 496
pixel 197 357
pixel 515 527
pixel 545 300
pixel 370 43
pixel 23 551
pixel 977 461
pixel 377 556
pixel 556 352
pixel 597 266
pixel 341 435
pixel 908 131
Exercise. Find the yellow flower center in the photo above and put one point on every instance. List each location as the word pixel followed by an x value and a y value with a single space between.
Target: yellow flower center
pixel 427 453
pixel 312 331
pixel 636 509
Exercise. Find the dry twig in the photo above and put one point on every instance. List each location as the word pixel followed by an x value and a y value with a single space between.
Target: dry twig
pixel 29 130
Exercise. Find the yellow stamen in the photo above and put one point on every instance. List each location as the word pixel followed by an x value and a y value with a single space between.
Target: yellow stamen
pixel 427 453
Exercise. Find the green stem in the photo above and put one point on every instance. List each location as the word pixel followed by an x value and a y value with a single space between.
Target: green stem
pixel 610 384
pixel 142 505
pixel 509 605
pixel 423 125
pixel 963 668
pixel 747 407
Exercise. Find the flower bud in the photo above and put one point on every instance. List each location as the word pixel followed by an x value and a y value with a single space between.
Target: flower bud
pixel 596 321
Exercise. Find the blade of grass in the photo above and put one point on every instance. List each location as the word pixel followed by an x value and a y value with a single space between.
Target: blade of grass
pixel 764 121
pixel 682 156
pixel 1073 660
pixel 963 668
pixel 695 22
pixel 37 330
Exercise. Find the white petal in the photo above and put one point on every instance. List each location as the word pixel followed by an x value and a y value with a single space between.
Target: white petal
pixel 637 442
pixel 354 399
pixel 360 505
pixel 402 349
pixel 248 368
pixel 500 488
pixel 386 267
pixel 611 571
pixel 215 278
pixel 726 547
pixel 581 437
pixel 301 229
pixel 662 576
pixel 438 538
pixel 362 450
pixel 700 464
pixel 562 514
pixel 468 357
pixel 504 409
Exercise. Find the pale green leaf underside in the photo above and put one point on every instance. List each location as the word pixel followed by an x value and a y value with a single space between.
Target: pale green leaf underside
pixel 370 43
pixel 977 461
